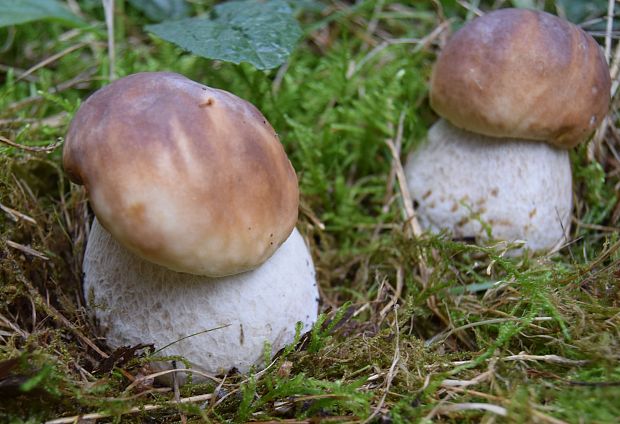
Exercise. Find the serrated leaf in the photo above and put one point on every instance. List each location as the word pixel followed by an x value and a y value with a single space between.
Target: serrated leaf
pixel 15 12
pixel 161 10
pixel 262 33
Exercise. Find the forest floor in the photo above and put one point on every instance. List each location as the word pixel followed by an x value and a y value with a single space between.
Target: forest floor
pixel 413 328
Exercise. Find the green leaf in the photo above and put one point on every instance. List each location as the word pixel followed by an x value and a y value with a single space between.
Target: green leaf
pixel 262 33
pixel 578 11
pixel 161 10
pixel 524 4
pixel 15 12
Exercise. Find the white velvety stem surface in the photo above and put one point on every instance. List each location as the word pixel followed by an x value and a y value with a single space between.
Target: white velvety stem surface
pixel 136 301
pixel 467 183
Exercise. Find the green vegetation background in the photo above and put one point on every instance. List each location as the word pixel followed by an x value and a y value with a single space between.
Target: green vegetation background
pixel 533 339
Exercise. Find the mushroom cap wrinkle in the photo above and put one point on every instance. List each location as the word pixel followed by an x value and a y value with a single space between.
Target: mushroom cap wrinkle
pixel 186 176
pixel 466 182
pixel 522 74
pixel 136 301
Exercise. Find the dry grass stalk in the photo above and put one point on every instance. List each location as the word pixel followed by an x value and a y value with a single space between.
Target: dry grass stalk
pixel 17 215
pixel 46 149
pixel 53 58
pixel 135 410
pixel 108 7
pixel 27 250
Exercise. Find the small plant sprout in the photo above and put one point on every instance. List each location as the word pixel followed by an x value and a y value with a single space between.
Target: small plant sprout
pixel 516 88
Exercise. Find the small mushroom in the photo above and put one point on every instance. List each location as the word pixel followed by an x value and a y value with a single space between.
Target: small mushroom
pixel 518 88
pixel 196 205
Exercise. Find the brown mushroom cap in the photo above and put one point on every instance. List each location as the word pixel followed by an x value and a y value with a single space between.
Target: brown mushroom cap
pixel 185 176
pixel 522 74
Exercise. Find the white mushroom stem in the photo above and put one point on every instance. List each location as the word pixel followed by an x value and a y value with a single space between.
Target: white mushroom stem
pixel 473 185
pixel 136 301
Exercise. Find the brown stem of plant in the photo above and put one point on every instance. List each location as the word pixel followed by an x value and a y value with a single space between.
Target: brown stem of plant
pixel 46 149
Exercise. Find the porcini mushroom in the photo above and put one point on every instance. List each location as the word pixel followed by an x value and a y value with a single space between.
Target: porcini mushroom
pixel 518 88
pixel 197 203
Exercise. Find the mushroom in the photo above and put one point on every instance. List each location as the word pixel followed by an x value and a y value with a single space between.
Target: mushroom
pixel 197 203
pixel 518 87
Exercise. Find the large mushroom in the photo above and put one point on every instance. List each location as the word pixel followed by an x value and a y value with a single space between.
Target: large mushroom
pixel 516 88
pixel 196 204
